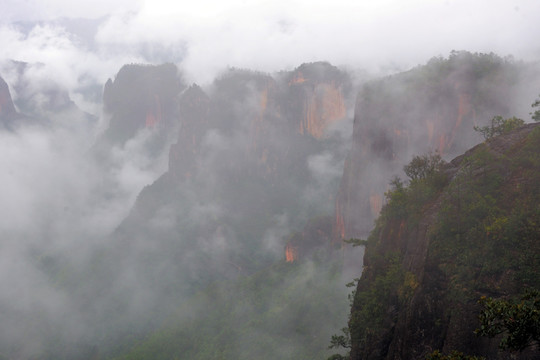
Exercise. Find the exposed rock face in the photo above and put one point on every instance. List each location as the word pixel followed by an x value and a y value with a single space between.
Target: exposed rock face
pixel 6 104
pixel 141 96
pixel 316 234
pixel 426 269
pixel 7 109
pixel 430 108
pixel 194 113
pixel 321 89
pixel 241 155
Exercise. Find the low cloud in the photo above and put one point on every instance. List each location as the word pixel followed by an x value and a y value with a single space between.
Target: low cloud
pixel 205 37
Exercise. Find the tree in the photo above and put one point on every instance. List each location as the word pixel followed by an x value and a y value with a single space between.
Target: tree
pixel 536 113
pixel 340 341
pixel 423 166
pixel 518 320
pixel 499 126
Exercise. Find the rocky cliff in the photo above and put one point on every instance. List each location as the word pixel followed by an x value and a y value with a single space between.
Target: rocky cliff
pixel 317 93
pixel 238 170
pixel 39 101
pixel 429 108
pixel 141 96
pixel 444 241
pixel 7 109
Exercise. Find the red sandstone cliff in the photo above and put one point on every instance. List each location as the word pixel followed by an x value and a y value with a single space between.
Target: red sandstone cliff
pixel 141 96
pixel 318 91
pixel 430 108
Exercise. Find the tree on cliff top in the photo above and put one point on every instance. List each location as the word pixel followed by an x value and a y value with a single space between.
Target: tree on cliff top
pixel 423 166
pixel 519 321
pixel 500 125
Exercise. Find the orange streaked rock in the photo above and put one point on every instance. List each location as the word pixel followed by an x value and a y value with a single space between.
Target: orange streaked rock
pixel 375 202
pixel 325 106
pixel 153 116
pixel 297 79
pixel 291 253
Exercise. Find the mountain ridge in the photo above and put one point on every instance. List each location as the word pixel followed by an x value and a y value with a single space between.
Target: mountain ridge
pixel 436 271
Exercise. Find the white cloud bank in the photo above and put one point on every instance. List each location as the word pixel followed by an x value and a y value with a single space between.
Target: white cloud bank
pixel 204 37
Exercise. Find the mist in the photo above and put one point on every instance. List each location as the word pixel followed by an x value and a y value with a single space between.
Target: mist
pixel 137 197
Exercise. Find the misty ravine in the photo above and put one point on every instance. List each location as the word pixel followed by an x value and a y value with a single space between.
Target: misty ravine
pixel 188 182
pixel 207 223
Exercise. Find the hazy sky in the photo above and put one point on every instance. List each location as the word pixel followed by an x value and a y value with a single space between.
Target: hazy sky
pixel 205 36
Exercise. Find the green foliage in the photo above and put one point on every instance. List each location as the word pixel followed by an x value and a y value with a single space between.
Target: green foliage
pixel 391 288
pixel 484 239
pixel 341 341
pixel 426 178
pixel 536 114
pixel 488 225
pixel 285 311
pixel 397 200
pixel 423 166
pixel 454 355
pixel 519 320
pixel 499 126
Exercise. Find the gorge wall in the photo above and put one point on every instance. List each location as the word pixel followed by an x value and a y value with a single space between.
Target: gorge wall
pixel 7 109
pixel 238 166
pixel 429 108
pixel 432 256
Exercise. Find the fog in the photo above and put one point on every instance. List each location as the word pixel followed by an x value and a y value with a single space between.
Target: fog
pixel 108 238
pixel 205 37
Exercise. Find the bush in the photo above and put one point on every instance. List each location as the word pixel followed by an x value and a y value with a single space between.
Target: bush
pixel 499 126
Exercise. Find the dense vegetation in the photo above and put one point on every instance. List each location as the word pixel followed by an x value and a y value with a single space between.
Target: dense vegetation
pixel 287 311
pixel 482 219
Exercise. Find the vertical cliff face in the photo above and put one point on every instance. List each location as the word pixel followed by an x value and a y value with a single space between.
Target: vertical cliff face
pixel 141 96
pixel 291 253
pixel 318 91
pixel 430 108
pixel 241 158
pixel 194 108
pixel 7 109
pixel 315 235
pixel 428 261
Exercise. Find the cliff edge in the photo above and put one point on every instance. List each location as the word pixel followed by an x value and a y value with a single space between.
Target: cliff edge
pixel 443 241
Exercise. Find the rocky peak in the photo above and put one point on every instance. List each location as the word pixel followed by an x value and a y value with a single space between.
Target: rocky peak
pixel 318 92
pixel 141 96
pixel 194 107
pixel 430 108
pixel 7 109
pixel 470 238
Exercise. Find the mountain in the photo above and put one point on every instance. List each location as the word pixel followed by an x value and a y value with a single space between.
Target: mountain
pixel 242 153
pixel 8 114
pixel 432 107
pixel 251 159
pixel 37 101
pixel 444 240
pixel 233 247
pixel 141 96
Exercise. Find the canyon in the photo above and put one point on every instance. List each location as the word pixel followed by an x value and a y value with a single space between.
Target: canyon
pixel 259 181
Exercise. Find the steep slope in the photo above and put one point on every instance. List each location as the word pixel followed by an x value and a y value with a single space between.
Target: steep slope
pixel 242 153
pixel 270 314
pixel 8 114
pixel 239 180
pixel 470 230
pixel 429 108
pixel 39 100
pixel 142 97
